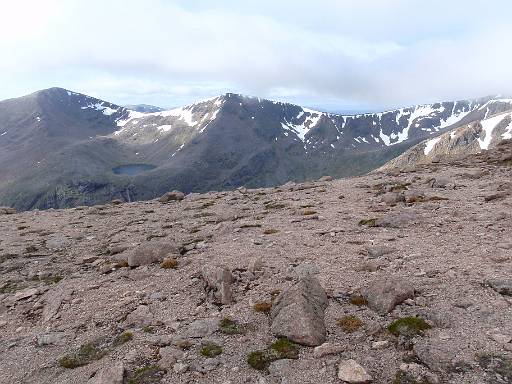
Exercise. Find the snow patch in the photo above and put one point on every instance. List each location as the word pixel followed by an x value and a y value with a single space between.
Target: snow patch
pixel 107 111
pixel 311 119
pixel 164 128
pixel 488 126
pixel 429 146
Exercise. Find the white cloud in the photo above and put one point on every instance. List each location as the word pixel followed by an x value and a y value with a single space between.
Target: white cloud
pixel 377 52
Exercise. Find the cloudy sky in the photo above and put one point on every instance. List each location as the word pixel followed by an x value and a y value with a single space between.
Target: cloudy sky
pixel 331 54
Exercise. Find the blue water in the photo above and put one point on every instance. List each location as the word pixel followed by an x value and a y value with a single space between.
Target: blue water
pixel 132 169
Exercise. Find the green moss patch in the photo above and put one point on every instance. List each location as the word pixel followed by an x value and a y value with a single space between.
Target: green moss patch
pixel 122 338
pixel 280 349
pixel 499 367
pixel 210 349
pixel 408 326
pixel 404 378
pixel 228 326
pixel 86 353
pixel 285 349
pixel 368 222
pixel 94 350
pixel 148 374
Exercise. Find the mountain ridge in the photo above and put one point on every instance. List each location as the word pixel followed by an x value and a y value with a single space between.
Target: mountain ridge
pixel 62 149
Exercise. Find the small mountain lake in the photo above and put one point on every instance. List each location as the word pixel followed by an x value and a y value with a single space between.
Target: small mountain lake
pixel 132 169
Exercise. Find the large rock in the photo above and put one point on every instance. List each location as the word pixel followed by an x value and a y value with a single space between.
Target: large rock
pixel 298 313
pixel 150 252
pixel 384 294
pixel 140 317
pixel 217 282
pixel 392 198
pixel 112 374
pixel 351 372
pixel 171 196
pixel 202 328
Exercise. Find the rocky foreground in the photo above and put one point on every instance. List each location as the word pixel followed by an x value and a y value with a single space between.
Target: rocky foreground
pixel 396 277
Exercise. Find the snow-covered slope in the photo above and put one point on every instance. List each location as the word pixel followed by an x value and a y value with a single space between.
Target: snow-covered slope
pixel 467 139
pixel 318 131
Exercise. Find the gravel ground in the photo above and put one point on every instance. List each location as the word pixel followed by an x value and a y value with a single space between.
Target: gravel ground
pixel 64 281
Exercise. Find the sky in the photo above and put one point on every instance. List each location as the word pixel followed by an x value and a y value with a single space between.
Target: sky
pixel 334 55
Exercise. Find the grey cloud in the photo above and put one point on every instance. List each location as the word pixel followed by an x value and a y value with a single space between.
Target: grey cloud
pixel 371 53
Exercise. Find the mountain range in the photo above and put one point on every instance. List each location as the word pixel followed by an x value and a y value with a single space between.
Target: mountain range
pixel 60 148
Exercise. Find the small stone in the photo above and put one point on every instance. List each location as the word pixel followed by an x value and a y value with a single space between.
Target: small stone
pixel 180 368
pixel 25 294
pixel 325 178
pixel 501 339
pixel 412 196
pixel 351 372
pixel 55 338
pixel 327 349
pixel 379 251
pixel 382 344
pixel 256 265
pixel 392 198
pixel 421 301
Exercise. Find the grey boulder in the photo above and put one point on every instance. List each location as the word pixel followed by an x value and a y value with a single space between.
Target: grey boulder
pixel 171 196
pixel 217 281
pixel 384 294
pixel 150 252
pixel 298 313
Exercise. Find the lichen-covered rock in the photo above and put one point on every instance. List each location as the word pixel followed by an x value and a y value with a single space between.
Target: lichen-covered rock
pixel 298 313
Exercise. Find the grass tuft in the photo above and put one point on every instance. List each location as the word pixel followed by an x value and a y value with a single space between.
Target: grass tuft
pixel 349 323
pixel 262 307
pixel 169 263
